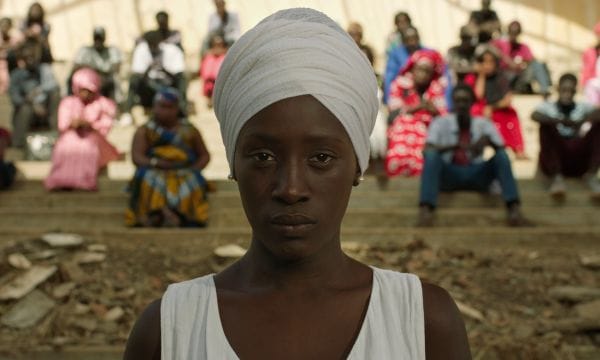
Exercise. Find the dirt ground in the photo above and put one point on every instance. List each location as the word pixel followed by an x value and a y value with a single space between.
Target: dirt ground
pixel 507 293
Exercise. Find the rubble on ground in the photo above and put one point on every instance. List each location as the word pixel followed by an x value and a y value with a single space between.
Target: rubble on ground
pixel 69 291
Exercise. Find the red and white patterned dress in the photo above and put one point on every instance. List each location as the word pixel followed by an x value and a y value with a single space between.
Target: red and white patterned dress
pixel 407 134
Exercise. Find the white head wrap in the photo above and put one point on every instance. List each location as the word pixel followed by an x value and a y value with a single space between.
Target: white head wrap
pixel 291 53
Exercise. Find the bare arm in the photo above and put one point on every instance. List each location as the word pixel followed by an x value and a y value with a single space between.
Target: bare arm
pixel 543 118
pixel 201 152
pixel 144 340
pixel 445 333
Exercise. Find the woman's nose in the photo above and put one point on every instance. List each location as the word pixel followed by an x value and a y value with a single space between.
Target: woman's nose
pixel 291 185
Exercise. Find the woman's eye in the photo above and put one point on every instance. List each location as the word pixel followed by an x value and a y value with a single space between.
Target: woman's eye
pixel 263 156
pixel 322 158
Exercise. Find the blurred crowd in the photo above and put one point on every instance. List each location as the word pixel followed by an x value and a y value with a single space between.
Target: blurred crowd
pixel 439 112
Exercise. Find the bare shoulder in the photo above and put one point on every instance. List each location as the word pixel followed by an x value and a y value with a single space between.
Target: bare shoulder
pixel 445 333
pixel 144 339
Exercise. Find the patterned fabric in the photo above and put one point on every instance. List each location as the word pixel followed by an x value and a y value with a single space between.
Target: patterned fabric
pixel 182 190
pixel 406 136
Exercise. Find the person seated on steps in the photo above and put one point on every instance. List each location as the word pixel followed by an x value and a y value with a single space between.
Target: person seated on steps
pixel 453 159
pixel 520 66
pixel 34 93
pixel 155 64
pixel 7 168
pixel 569 139
pixel 168 188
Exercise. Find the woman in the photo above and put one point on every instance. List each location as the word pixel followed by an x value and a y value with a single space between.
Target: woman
pixel 494 98
pixel 168 188
pixel 211 63
pixel 416 96
pixel 296 133
pixel 84 120
pixel 590 59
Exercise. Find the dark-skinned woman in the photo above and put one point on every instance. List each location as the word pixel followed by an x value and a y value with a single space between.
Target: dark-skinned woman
pixel 168 188
pixel 296 109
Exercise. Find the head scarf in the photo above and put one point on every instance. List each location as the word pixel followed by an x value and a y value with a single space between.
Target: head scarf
pixel 86 78
pixel 426 56
pixel 167 94
pixel 291 53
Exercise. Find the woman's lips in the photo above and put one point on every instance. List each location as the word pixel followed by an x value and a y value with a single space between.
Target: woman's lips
pixel 293 225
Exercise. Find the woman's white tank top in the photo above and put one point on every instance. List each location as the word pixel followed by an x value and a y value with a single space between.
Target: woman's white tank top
pixel 393 328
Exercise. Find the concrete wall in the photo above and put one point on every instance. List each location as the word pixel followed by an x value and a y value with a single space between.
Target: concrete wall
pixel 558 30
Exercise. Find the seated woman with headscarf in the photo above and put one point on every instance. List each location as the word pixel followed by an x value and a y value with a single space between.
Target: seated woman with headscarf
pixel 168 188
pixel 296 101
pixel 494 97
pixel 84 120
pixel 416 96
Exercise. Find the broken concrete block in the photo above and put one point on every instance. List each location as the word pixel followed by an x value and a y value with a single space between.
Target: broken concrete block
pixel 590 261
pixel 29 311
pixel 114 314
pixel 23 284
pixel 590 310
pixel 89 257
pixel 19 261
pixel 230 251
pixel 574 293
pixel 62 240
pixel 97 248
pixel 63 290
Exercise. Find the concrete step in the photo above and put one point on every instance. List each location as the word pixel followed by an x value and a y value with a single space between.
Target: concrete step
pixel 231 199
pixel 90 217
pixel 500 237
pixel 369 184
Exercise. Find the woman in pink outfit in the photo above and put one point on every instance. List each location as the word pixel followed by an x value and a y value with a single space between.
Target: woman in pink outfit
pixel 589 59
pixel 84 120
pixel 211 63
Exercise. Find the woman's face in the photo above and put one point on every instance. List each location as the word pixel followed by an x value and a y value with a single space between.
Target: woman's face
pixel 295 166
pixel 489 64
pixel 423 73
pixel 85 95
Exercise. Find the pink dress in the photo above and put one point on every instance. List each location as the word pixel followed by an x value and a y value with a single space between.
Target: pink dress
pixel 209 69
pixel 79 154
pixel 588 70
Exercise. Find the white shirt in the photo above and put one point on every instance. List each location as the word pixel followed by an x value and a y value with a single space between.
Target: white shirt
pixel 393 328
pixel 171 58
pixel 231 30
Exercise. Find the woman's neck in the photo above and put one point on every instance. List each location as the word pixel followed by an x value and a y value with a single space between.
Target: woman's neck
pixel 263 269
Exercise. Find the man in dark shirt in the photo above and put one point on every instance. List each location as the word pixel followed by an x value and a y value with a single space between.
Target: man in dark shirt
pixel 486 21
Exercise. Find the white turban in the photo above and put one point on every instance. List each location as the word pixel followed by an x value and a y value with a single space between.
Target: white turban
pixel 291 53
